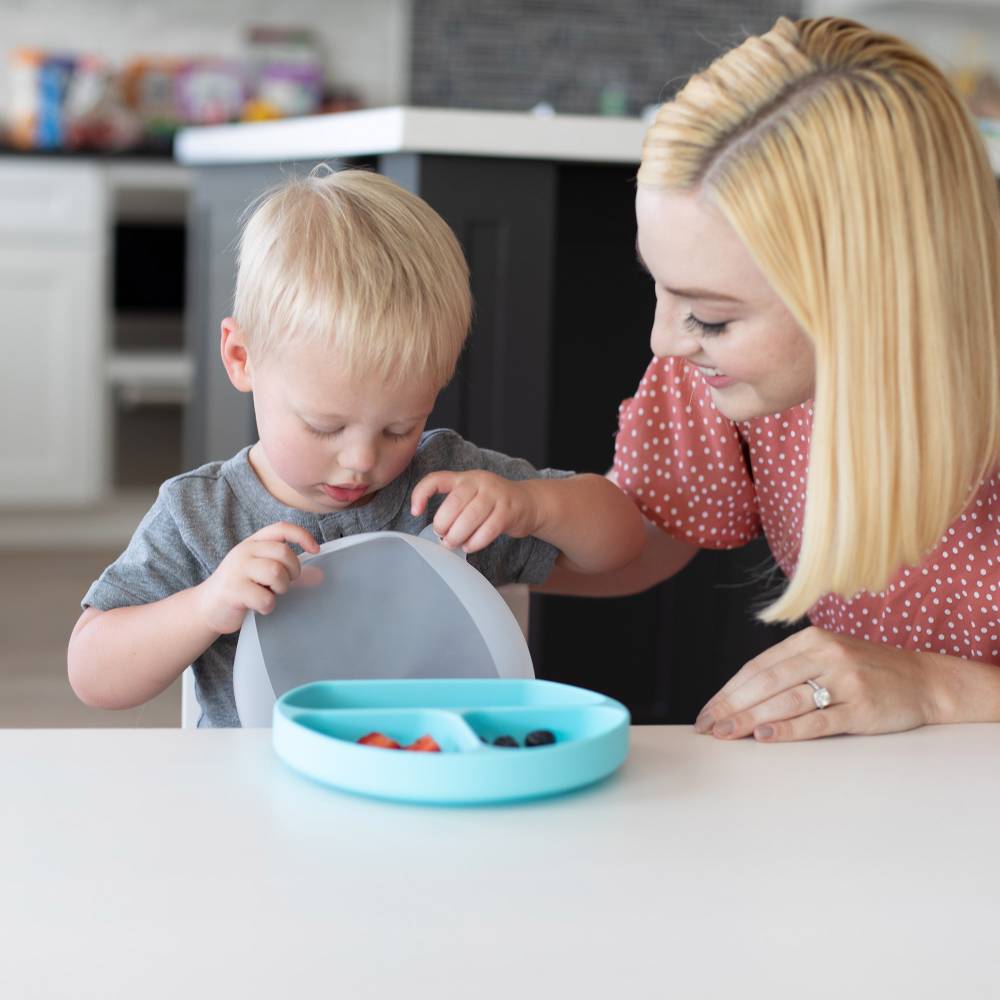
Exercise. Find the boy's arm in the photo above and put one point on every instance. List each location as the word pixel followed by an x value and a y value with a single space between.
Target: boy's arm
pixel 593 524
pixel 662 556
pixel 588 519
pixel 126 656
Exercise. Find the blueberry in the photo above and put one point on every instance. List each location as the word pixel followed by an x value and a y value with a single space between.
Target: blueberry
pixel 505 741
pixel 539 738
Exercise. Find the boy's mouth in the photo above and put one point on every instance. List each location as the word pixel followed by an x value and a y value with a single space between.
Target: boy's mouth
pixel 345 494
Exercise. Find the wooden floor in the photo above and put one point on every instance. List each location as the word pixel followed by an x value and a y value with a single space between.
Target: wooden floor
pixel 40 595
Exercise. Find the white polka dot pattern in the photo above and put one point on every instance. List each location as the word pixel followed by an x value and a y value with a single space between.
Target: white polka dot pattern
pixel 684 465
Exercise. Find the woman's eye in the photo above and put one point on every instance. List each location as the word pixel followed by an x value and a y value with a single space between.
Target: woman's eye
pixel 700 326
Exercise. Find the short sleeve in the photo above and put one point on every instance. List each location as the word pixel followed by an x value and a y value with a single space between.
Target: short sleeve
pixel 155 565
pixel 682 462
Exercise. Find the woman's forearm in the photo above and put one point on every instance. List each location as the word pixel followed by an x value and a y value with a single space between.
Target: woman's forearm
pixel 963 690
pixel 124 657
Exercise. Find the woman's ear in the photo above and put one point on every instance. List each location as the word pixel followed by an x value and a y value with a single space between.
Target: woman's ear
pixel 232 346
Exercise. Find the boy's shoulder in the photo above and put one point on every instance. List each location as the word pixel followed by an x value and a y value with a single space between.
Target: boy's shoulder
pixel 443 449
pixel 199 486
pixel 216 504
pixel 439 445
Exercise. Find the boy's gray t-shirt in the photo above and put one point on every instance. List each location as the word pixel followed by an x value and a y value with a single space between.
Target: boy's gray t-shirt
pixel 200 516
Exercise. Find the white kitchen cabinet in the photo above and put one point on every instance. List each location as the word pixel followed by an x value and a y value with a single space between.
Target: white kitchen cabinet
pixel 53 259
pixel 70 392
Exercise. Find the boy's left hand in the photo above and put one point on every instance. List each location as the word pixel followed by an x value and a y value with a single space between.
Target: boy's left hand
pixel 479 507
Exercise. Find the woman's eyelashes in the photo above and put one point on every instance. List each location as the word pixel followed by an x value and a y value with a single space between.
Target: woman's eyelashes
pixel 707 329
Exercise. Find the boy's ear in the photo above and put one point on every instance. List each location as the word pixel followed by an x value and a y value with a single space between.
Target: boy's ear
pixel 232 346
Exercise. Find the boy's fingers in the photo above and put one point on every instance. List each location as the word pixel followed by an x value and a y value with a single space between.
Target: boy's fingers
pixel 486 533
pixel 311 576
pixel 278 552
pixel 284 531
pixel 451 508
pixel 259 599
pixel 436 482
pixel 269 573
pixel 469 519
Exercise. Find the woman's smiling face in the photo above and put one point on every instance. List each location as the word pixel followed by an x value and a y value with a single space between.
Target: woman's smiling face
pixel 716 310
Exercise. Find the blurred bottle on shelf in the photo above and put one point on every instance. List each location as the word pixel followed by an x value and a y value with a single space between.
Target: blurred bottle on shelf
pixel 287 72
pixel 211 91
pixel 80 102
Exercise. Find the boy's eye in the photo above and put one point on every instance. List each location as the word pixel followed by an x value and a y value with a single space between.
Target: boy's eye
pixel 700 326
pixel 323 434
pixel 400 435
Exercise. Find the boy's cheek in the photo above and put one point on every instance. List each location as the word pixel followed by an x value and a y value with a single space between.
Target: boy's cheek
pixel 398 465
pixel 295 460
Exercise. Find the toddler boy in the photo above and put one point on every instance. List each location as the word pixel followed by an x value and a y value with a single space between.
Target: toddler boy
pixel 352 305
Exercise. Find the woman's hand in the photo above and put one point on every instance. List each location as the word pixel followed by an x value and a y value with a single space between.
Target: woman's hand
pixel 874 688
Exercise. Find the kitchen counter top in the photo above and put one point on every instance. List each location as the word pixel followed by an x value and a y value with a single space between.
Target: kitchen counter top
pixel 420 130
pixel 167 863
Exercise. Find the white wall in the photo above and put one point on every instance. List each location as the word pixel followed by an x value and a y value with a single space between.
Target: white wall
pixel 366 41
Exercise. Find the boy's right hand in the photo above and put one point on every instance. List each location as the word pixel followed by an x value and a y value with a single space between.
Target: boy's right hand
pixel 252 574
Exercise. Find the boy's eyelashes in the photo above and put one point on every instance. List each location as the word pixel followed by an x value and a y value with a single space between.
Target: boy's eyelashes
pixel 391 435
pixel 707 329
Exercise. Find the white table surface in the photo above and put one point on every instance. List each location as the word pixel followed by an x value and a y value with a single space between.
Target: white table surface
pixel 169 863
pixel 447 131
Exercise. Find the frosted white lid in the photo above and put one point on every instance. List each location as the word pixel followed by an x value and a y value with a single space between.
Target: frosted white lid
pixel 389 605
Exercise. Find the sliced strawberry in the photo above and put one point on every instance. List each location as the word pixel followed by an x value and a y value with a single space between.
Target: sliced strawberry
pixel 425 744
pixel 379 740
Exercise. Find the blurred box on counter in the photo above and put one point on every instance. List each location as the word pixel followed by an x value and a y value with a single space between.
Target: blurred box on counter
pixel 287 72
pixel 80 102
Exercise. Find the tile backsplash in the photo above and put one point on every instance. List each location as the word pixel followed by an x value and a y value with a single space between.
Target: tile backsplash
pixel 580 56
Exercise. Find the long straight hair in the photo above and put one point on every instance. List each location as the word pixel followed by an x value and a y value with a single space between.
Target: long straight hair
pixel 857 180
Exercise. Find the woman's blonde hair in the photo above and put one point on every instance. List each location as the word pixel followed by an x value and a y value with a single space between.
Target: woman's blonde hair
pixel 857 180
pixel 351 260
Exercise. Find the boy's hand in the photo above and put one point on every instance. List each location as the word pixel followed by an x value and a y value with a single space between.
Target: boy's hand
pixel 253 572
pixel 479 507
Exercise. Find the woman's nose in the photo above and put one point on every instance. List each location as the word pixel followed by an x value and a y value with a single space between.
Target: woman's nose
pixel 669 338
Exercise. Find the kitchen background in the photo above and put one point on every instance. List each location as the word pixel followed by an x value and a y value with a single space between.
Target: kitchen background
pixel 116 79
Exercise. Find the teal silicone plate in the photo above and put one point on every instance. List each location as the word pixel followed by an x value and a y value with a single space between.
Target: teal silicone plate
pixel 316 728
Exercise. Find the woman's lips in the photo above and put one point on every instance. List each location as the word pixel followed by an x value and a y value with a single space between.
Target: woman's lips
pixel 344 494
pixel 716 381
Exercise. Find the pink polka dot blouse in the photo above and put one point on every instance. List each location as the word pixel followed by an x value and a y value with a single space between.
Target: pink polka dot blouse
pixel 688 468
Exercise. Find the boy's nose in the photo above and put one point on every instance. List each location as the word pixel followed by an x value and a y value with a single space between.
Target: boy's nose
pixel 359 458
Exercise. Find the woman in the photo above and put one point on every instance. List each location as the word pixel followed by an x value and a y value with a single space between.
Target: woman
pixel 820 221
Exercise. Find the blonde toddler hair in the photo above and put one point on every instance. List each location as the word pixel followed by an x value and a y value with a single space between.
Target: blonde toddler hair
pixel 856 178
pixel 351 260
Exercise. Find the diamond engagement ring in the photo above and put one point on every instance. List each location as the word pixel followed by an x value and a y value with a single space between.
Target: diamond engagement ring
pixel 820 694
